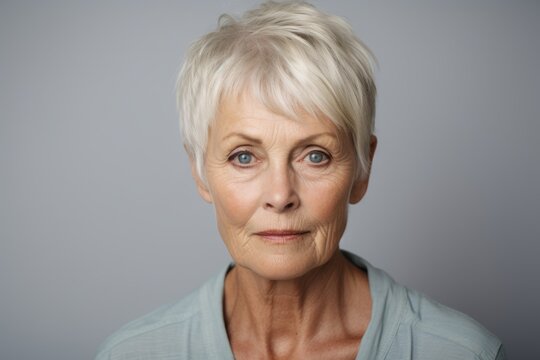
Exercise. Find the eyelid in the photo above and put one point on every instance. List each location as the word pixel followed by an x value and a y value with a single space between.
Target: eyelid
pixel 317 149
pixel 239 149
pixel 233 156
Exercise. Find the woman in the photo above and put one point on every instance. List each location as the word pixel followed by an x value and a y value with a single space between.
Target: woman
pixel 277 112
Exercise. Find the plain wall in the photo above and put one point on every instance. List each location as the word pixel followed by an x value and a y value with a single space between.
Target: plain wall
pixel 100 221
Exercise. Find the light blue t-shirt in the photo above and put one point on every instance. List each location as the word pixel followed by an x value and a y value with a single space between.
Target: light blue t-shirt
pixel 404 325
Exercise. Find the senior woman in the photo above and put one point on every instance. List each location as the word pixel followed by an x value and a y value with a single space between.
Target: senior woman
pixel 277 112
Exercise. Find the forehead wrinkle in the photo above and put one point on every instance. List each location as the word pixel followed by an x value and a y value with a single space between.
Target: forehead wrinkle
pixel 242 136
pixel 303 140
pixel 271 139
pixel 240 117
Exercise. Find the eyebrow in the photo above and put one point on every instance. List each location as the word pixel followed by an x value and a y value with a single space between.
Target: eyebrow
pixel 300 141
pixel 243 136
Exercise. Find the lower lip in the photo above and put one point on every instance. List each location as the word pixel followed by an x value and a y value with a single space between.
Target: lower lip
pixel 281 239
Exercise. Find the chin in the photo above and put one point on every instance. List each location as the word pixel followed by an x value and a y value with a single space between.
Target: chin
pixel 280 267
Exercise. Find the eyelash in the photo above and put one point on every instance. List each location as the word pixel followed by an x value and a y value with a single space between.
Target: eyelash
pixel 233 158
pixel 326 157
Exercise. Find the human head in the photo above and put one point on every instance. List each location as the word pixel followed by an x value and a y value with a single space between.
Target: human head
pixel 289 56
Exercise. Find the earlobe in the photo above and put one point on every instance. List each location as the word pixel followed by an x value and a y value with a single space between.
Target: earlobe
pixel 361 184
pixel 202 188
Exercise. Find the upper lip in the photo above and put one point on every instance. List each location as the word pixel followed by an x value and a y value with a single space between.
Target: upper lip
pixel 285 232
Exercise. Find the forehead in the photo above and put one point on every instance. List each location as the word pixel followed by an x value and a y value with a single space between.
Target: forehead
pixel 248 114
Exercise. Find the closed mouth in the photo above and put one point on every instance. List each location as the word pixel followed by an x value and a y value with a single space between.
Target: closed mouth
pixel 281 236
pixel 281 233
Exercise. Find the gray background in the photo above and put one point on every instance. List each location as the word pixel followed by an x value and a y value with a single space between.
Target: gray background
pixel 100 221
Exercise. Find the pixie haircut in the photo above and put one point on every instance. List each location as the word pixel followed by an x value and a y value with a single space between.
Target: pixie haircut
pixel 290 57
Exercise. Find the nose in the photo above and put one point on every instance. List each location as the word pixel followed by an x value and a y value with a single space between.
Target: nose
pixel 280 191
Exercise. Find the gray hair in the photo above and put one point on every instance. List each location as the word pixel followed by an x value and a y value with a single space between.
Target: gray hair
pixel 289 56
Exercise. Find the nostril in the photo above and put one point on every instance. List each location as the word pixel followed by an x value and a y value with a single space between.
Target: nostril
pixel 288 206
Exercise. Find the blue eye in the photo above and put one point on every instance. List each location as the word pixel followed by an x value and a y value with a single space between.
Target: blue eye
pixel 242 158
pixel 317 157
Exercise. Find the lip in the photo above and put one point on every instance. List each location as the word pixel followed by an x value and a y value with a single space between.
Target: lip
pixel 281 236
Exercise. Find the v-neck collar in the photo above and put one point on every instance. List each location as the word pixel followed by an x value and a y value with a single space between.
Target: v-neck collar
pixel 388 305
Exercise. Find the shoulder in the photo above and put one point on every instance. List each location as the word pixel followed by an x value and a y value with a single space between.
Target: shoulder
pixel 438 329
pixel 163 332
pixel 407 324
pixel 168 318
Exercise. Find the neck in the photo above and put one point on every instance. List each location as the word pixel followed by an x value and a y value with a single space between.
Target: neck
pixel 282 316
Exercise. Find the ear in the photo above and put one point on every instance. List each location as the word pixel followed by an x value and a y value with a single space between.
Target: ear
pixel 201 185
pixel 361 183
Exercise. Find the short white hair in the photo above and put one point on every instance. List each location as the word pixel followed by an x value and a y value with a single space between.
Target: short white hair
pixel 289 56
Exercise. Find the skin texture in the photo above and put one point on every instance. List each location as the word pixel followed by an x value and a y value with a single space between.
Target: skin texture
pixel 281 188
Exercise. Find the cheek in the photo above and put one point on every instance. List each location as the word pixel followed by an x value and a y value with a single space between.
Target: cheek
pixel 235 203
pixel 330 206
pixel 327 201
pixel 331 214
pixel 327 205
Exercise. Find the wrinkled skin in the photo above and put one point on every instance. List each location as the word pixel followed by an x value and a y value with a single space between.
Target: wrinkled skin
pixel 281 188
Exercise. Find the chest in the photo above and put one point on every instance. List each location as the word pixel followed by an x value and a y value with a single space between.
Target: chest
pixel 336 349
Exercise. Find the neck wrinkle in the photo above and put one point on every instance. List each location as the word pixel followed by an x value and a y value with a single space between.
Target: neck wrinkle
pixel 285 314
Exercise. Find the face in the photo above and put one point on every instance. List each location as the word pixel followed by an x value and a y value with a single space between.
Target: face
pixel 280 187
